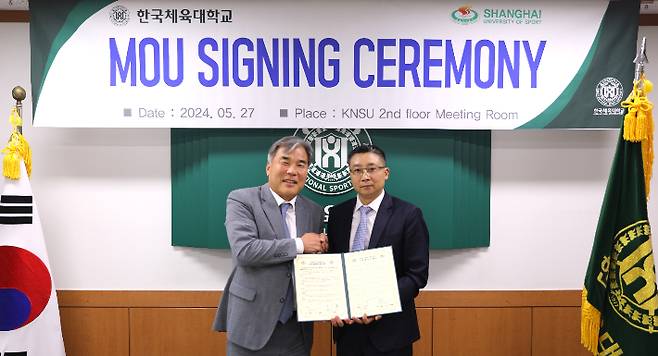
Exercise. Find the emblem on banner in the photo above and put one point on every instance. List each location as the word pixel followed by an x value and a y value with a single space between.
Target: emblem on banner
pixel 464 15
pixel 609 91
pixel 632 288
pixel 328 174
pixel 119 15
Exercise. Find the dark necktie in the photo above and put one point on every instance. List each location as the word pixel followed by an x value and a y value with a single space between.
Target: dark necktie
pixel 288 304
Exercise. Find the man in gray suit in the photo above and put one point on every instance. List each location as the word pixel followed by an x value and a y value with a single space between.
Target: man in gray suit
pixel 267 227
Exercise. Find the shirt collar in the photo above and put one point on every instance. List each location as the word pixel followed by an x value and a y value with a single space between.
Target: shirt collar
pixel 374 205
pixel 280 200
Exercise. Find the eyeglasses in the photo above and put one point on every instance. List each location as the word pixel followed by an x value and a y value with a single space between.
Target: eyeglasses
pixel 362 171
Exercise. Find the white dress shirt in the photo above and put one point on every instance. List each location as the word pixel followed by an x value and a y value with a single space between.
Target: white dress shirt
pixel 291 220
pixel 372 214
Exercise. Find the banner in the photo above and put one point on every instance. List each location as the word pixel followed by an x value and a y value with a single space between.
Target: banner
pixel 365 64
pixel 29 316
pixel 446 173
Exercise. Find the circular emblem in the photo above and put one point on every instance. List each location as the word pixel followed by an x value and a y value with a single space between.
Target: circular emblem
pixel 609 91
pixel 119 15
pixel 464 15
pixel 328 174
pixel 25 287
pixel 632 286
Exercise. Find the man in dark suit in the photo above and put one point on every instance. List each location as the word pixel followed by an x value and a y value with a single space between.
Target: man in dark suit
pixel 267 227
pixel 376 219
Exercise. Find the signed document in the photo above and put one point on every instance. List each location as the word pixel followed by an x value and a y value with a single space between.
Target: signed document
pixel 346 284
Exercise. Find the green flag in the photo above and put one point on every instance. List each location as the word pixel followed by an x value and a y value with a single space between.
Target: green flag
pixel 619 298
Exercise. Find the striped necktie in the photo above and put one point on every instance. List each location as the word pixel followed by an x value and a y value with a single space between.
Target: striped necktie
pixel 361 230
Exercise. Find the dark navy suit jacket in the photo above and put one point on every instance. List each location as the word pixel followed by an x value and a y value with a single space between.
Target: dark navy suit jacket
pixel 401 225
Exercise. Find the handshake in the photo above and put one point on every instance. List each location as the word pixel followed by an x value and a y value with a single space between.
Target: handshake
pixel 315 243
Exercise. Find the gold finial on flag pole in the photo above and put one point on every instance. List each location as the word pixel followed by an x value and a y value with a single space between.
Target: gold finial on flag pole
pixel 18 93
pixel 17 149
pixel 638 121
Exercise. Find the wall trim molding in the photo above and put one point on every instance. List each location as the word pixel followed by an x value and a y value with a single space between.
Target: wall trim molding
pixel 648 19
pixel 210 299
pixel 14 16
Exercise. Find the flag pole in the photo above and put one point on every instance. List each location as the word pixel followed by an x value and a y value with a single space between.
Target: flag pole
pixel 638 121
pixel 640 60
pixel 18 93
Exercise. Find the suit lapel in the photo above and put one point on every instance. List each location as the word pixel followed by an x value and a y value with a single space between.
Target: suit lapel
pixel 302 215
pixel 383 217
pixel 272 211
pixel 345 225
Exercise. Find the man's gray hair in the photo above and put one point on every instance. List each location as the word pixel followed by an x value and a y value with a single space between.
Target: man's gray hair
pixel 288 144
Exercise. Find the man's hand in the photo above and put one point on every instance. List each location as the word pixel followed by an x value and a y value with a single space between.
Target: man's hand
pixel 365 320
pixel 314 243
pixel 325 242
pixel 338 322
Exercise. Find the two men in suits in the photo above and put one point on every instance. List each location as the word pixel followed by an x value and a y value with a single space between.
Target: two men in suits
pixel 377 219
pixel 267 227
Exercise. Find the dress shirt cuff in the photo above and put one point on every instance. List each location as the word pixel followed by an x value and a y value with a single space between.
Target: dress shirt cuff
pixel 300 245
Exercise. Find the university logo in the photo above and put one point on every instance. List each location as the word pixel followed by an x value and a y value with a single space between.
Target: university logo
pixel 631 277
pixel 119 15
pixel 609 91
pixel 464 15
pixel 328 174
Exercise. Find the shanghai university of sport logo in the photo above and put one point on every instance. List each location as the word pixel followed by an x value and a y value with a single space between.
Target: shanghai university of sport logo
pixel 609 91
pixel 631 277
pixel 328 174
pixel 22 299
pixel 119 15
pixel 464 15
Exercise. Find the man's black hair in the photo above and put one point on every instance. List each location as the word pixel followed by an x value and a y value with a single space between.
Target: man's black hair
pixel 366 149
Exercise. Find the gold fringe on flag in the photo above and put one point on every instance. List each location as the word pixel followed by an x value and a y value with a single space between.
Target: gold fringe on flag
pixel 590 323
pixel 17 150
pixel 638 125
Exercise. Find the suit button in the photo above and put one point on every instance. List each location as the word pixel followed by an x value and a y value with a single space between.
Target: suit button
pixel 288 275
pixel 282 300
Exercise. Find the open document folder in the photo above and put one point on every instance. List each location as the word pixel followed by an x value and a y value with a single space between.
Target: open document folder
pixel 346 284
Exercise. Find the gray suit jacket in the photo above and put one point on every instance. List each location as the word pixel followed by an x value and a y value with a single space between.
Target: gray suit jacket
pixel 262 259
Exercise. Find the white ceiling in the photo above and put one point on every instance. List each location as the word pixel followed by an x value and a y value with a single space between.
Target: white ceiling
pixel 646 6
